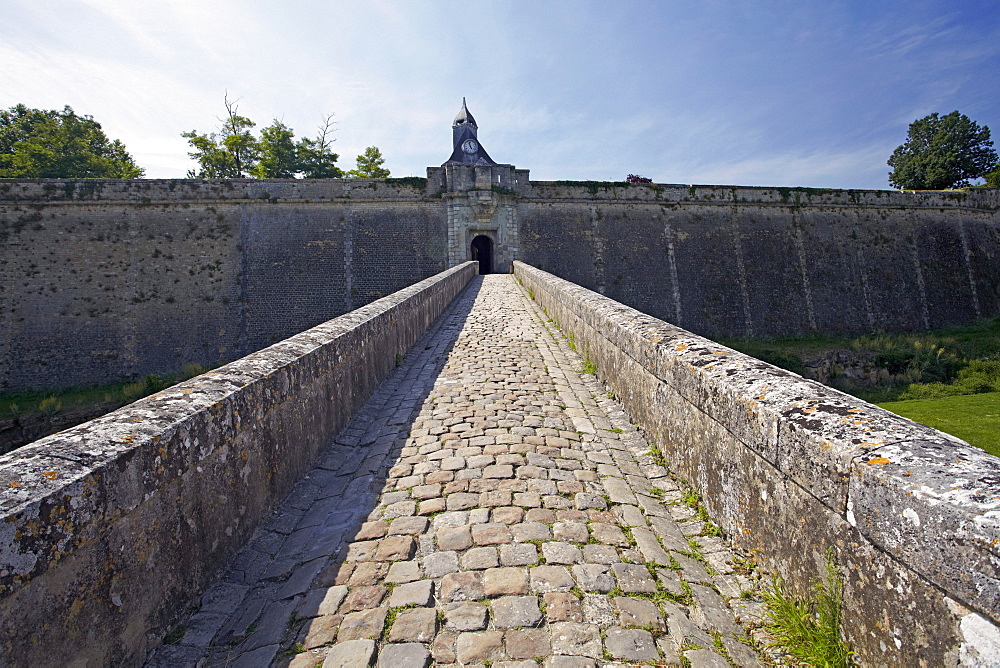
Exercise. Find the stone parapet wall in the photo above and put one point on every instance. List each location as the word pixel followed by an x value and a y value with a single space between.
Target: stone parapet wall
pixel 790 469
pixel 221 190
pixel 987 199
pixel 110 528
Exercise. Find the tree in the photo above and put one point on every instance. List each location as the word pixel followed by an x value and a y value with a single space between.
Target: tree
pixel 228 154
pixel 370 165
pixel 316 160
pixel 942 152
pixel 993 178
pixel 40 144
pixel 278 153
pixel 234 152
pixel 231 154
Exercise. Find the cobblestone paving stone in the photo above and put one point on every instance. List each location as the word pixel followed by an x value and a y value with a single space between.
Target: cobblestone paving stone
pixel 490 503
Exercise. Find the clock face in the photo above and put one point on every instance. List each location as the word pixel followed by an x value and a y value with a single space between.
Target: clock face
pixel 470 146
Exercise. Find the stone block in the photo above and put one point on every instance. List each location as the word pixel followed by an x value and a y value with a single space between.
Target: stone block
pixel 454 538
pixel 505 581
pixel 419 593
pixel 633 578
pixel 561 553
pixel 403 571
pixel 531 531
pixel 562 607
pixel 480 558
pixel 527 644
pixel 416 625
pixel 593 577
pixel 439 564
pixel 516 611
pixel 927 503
pixel 362 598
pixel 574 532
pixel 395 548
pixel 575 639
pixel 466 586
pixel 476 648
pixel 351 654
pixel 408 655
pixel 363 624
pixel 409 526
pixel 466 616
pixel 634 645
pixel 491 534
pixel 519 554
pixel 638 613
pixel 550 578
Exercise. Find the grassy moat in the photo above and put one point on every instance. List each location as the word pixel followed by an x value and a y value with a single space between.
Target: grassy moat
pixel 28 416
pixel 947 378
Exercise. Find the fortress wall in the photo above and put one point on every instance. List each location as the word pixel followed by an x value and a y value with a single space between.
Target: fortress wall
pixel 91 293
pixel 732 262
pixel 111 527
pixel 101 280
pixel 790 469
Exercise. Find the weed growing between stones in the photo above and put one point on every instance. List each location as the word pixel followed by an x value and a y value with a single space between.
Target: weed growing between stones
pixel 175 636
pixel 587 366
pixel 297 648
pixel 809 630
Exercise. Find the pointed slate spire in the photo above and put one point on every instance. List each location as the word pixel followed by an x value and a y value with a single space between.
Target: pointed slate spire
pixel 464 117
pixel 466 147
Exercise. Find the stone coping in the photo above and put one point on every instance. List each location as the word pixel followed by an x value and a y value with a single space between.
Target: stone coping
pixel 110 524
pixel 928 499
pixel 164 191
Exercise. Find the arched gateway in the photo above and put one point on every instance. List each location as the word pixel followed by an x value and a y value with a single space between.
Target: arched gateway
pixel 482 251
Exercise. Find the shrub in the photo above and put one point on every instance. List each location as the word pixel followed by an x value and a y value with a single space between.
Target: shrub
pixel 191 370
pixel 50 406
pixel 133 391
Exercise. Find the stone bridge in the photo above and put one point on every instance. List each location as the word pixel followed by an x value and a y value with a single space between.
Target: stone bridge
pixel 497 470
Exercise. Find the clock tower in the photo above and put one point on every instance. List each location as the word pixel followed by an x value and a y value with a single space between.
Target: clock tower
pixel 481 200
pixel 467 149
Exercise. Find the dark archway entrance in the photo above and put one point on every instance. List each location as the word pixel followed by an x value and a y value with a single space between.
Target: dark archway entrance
pixel 482 250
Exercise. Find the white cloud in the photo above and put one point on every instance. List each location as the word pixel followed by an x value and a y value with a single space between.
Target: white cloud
pixel 572 91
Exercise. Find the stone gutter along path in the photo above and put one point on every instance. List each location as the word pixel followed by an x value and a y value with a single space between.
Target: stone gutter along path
pixel 490 504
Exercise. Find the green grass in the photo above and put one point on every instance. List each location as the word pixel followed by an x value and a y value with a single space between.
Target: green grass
pixel 974 417
pixel 910 365
pixel 809 629
pixel 14 404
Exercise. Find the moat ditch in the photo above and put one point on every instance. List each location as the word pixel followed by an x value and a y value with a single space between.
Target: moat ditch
pixel 879 368
pixel 28 416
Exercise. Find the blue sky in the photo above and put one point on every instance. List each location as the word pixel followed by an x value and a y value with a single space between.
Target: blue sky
pixel 750 93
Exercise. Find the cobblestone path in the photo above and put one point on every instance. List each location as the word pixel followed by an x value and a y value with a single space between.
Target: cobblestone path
pixel 489 505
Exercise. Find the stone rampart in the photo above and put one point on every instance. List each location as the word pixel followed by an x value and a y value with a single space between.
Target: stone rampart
pixel 103 280
pixel 790 469
pixel 725 261
pixel 110 528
